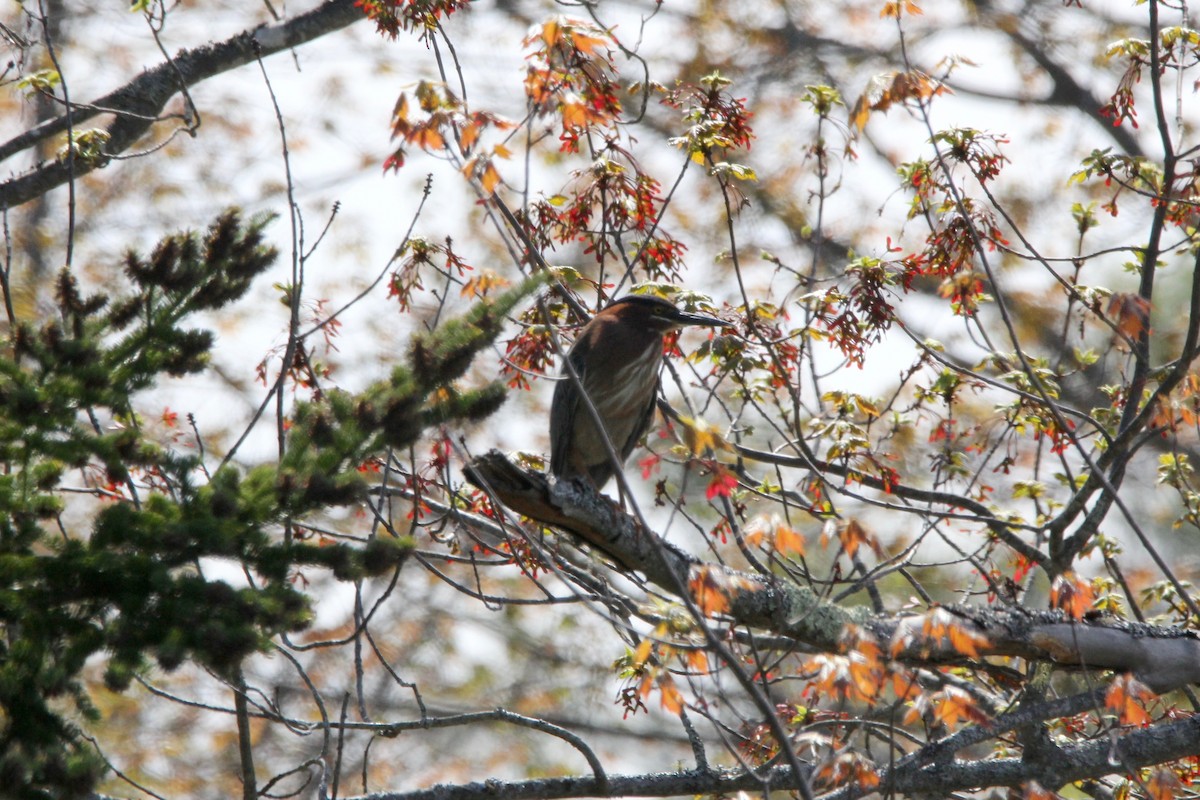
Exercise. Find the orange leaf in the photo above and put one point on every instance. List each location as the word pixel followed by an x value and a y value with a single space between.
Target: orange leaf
pixel 866 678
pixel 482 283
pixel 708 593
pixel 1164 784
pixel 953 706
pixel 400 111
pixel 469 135
pixel 938 630
pixel 1072 595
pixel 575 113
pixel 904 686
pixel 642 654
pixel 860 113
pixel 538 85
pixel 701 437
pixel 964 640
pixel 895 9
pixel 830 673
pixel 550 33
pixel 770 530
pixel 866 779
pixel 846 767
pixel 1132 313
pixel 852 535
pixel 427 138
pixel 788 542
pixel 902 638
pixel 1126 697
pixel 490 178
pixel 1034 791
pixel 586 44
pixel 672 699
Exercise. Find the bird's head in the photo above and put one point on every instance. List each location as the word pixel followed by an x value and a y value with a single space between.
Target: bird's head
pixel 656 314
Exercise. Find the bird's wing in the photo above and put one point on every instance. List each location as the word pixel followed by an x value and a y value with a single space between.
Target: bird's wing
pixel 643 425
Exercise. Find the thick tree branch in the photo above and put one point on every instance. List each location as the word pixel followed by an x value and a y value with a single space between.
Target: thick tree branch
pixel 917 774
pixel 1162 658
pixel 1068 92
pixel 138 104
pixel 1102 756
pixel 667 784
pixel 1123 752
pixel 599 522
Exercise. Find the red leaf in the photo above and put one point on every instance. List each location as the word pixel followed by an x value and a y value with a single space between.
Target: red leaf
pixel 722 484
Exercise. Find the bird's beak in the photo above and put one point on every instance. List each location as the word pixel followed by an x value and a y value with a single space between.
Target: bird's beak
pixel 684 318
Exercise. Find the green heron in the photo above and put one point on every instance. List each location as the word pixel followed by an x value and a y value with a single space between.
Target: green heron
pixel 616 358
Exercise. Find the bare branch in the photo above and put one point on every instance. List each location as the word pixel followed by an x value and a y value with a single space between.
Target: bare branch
pixel 138 104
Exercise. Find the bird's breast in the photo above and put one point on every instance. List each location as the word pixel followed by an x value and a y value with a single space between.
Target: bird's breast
pixel 628 388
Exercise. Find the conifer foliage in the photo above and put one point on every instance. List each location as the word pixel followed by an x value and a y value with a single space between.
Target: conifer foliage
pixel 133 588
